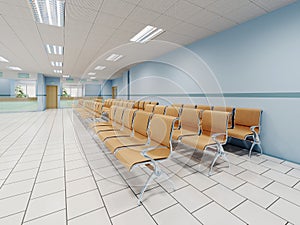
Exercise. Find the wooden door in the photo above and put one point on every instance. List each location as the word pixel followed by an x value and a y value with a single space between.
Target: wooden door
pixel 114 91
pixel 51 99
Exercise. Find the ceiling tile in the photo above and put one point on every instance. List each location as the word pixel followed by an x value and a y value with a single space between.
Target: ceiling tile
pixel 106 19
pixel 51 34
pixel 219 24
pixel 15 11
pixel 222 7
pixel 88 4
pixel 202 3
pixel 273 4
pixel 132 26
pixel 160 5
pixel 182 10
pixel 166 22
pixel 77 13
pixel 142 15
pixel 117 7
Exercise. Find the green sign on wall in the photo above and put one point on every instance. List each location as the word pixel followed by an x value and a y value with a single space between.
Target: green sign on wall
pixel 23 75
pixel 1 74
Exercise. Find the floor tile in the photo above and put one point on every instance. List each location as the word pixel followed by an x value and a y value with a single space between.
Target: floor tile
pixel 99 163
pixel 52 165
pixel 233 169
pixel 57 218
pixel 214 214
pixel 78 173
pixel 254 178
pixel 276 166
pixel 137 183
pixel 48 187
pixel 45 205
pixel 13 204
pixel 286 210
pixel 253 167
pixel 27 166
pixel 175 215
pixel 157 199
pixel 97 217
pixel 257 195
pixel 273 159
pixel 297 186
pixel 53 157
pixel 80 186
pixel 173 183
pixel 139 214
pixel 227 180
pixel 247 210
pixel 224 196
pixel 294 173
pixel 292 165
pixel 281 177
pixel 50 174
pixel 4 174
pixel 16 188
pixel 14 219
pixel 105 172
pixel 21 175
pixel 285 192
pixel 191 198
pixel 76 164
pixel 200 181
pixel 181 170
pixel 111 185
pixel 84 203
pixel 120 201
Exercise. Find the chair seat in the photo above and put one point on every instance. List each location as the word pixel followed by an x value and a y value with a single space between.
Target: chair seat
pixel 114 133
pixel 109 123
pixel 177 134
pixel 107 128
pixel 240 132
pixel 132 156
pixel 113 143
pixel 198 142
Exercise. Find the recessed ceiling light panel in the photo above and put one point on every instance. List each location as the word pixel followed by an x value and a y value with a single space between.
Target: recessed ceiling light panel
pixel 91 73
pixel 57 64
pixel 66 76
pixel 2 59
pixel 51 12
pixel 55 49
pixel 14 68
pixel 100 67
pixel 148 33
pixel 114 57
pixel 57 71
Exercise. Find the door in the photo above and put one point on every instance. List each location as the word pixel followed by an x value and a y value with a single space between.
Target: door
pixel 114 91
pixel 51 97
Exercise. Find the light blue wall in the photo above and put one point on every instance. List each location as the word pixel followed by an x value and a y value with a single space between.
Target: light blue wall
pixel 41 92
pixel 5 87
pixel 122 85
pixel 256 65
pixel 92 90
pixel 106 89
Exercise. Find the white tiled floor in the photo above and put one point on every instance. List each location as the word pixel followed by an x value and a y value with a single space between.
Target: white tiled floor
pixel 52 171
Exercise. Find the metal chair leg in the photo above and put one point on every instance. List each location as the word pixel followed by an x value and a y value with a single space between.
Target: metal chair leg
pixel 150 178
pixel 250 151
pixel 217 155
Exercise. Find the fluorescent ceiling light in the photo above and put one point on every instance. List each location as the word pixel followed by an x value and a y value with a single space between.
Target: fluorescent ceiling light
pixel 114 57
pixel 50 12
pixel 55 49
pixel 14 68
pixel 58 64
pixel 100 67
pixel 148 33
pixel 65 76
pixel 91 73
pixel 2 59
pixel 92 78
pixel 57 71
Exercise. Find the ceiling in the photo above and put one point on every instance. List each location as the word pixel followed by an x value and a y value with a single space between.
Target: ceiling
pixel 95 28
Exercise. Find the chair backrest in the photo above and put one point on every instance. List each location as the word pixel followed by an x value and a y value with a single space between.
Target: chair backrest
pixel 130 105
pixel 215 122
pixel 149 108
pixel 118 117
pixel 177 105
pixel 228 109
pixel 161 128
pixel 204 107
pixel 190 119
pixel 146 103
pixel 247 117
pixel 128 115
pixel 136 105
pixel 173 111
pixel 154 103
pixel 141 105
pixel 141 122
pixel 189 106
pixel 159 109
pixel 112 112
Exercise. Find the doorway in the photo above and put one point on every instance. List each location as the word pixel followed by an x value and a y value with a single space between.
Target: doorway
pixel 114 91
pixel 51 97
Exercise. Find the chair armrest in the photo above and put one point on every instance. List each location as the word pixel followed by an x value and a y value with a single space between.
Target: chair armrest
pixel 255 134
pixel 216 135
